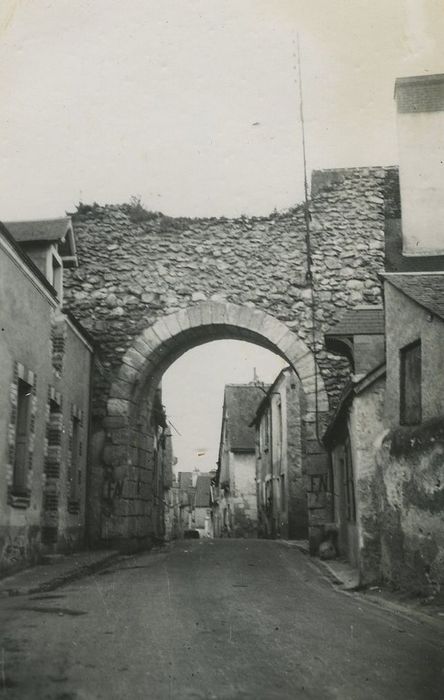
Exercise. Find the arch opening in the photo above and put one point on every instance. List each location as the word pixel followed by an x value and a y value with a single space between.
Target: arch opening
pixel 126 483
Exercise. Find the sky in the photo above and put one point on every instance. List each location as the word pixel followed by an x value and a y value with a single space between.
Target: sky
pixel 193 394
pixel 193 104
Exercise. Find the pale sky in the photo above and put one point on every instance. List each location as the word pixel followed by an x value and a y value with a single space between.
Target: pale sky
pixel 193 394
pixel 192 104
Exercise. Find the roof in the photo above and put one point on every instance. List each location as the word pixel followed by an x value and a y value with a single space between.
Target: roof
pixel 353 388
pixel 361 320
pixel 203 491
pixel 41 230
pixel 240 405
pixel 427 289
pixel 27 260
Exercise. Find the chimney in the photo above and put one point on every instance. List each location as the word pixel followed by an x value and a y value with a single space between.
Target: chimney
pixel 420 120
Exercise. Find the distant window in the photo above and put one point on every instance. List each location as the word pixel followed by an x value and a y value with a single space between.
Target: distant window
pixel 410 384
pixel 22 437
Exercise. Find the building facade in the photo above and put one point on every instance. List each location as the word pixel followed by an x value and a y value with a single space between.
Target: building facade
pixel 280 483
pixel 46 360
pixel 386 437
pixel 235 508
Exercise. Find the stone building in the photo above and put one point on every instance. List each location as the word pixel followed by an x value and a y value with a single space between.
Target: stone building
pixel 410 458
pixel 280 483
pixel 236 507
pixel 386 438
pixel 46 361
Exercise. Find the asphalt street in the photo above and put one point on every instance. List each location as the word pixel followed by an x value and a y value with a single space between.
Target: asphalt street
pixel 214 619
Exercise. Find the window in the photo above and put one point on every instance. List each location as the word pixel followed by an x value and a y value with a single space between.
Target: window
pixel 74 474
pixel 282 492
pixel 410 384
pixel 22 429
pixel 54 435
pixel 350 502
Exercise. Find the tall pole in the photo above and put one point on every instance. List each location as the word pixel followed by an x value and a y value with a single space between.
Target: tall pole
pixel 307 218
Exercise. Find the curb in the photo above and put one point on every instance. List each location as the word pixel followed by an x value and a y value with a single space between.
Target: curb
pixel 60 580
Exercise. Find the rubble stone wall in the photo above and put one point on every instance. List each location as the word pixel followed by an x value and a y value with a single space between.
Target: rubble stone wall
pixel 136 266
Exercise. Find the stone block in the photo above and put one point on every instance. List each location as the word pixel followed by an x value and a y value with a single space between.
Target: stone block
pixel 172 324
pixel 121 390
pixel 114 455
pixel 151 339
pixel 118 407
pixel 127 373
pixel 111 422
pixel 134 359
pixel 161 330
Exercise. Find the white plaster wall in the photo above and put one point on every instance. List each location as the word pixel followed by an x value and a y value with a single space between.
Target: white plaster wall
pixel 421 161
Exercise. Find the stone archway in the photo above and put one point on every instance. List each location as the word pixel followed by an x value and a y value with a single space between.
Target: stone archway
pixel 126 498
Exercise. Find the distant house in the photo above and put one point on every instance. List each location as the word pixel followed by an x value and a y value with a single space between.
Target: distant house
pixel 235 509
pixel 202 504
pixel 281 492
pixel 46 359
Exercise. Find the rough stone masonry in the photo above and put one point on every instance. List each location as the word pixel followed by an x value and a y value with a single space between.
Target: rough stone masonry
pixel 136 267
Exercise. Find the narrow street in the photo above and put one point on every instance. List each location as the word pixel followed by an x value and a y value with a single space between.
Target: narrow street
pixel 231 619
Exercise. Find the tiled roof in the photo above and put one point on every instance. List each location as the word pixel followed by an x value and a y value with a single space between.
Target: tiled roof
pixel 426 289
pixel 362 320
pixel 44 230
pixel 203 491
pixel 241 404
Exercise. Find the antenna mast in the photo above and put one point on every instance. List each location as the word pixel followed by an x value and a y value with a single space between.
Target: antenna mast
pixel 307 218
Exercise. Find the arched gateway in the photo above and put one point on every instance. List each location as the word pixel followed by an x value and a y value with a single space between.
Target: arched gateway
pixel 128 445
pixel 149 287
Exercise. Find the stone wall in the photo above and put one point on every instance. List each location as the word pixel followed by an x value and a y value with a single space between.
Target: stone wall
pixel 137 266
pixel 150 287
pixel 410 492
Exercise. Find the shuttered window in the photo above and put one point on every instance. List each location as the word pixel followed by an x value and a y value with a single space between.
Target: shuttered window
pixel 410 384
pixel 22 437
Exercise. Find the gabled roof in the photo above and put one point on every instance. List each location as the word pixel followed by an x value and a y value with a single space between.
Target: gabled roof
pixel 361 320
pixel 203 491
pixel 58 231
pixel 240 405
pixel 427 289
pixel 41 230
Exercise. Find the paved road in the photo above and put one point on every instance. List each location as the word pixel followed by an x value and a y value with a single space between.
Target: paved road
pixel 225 619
